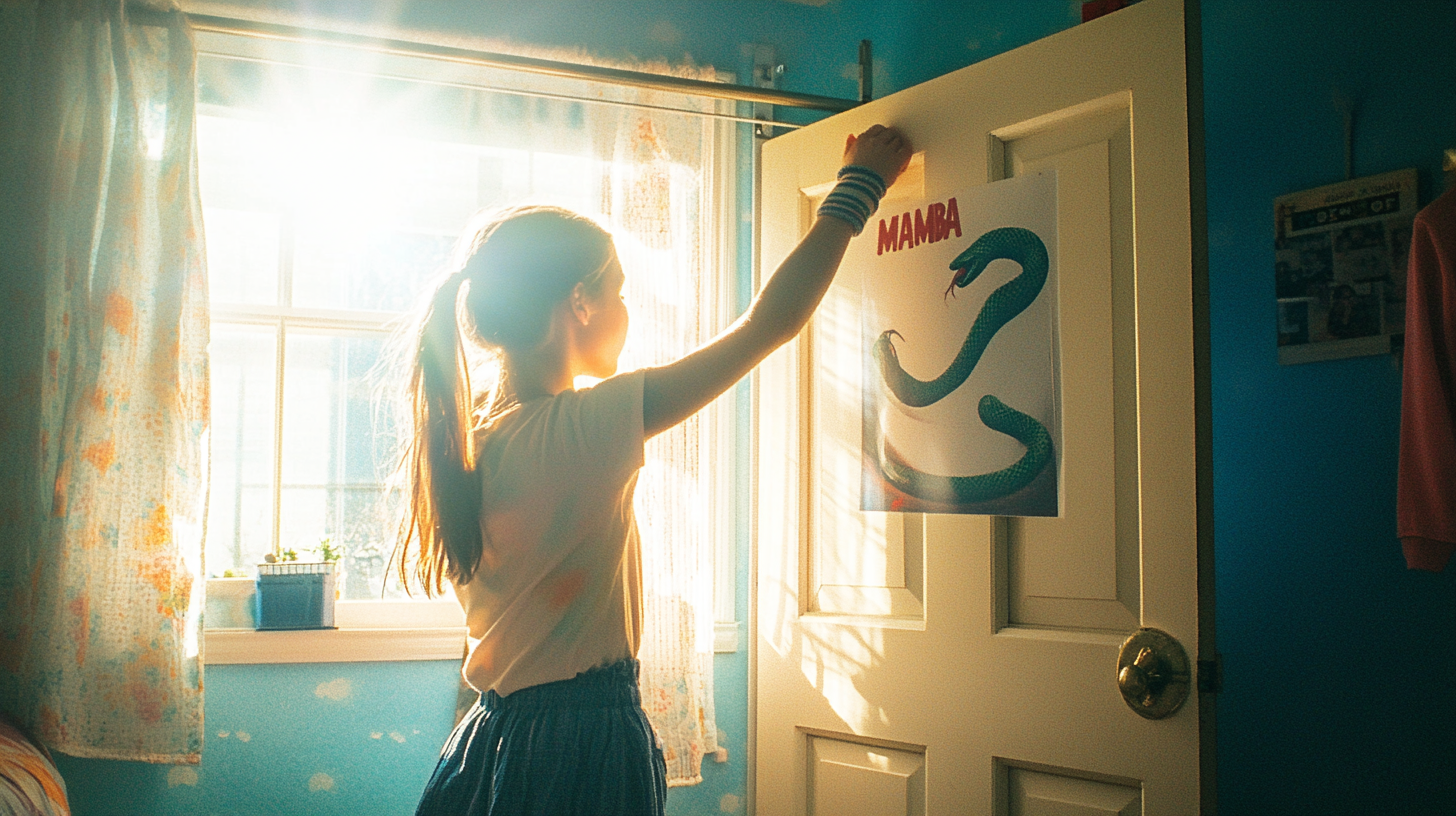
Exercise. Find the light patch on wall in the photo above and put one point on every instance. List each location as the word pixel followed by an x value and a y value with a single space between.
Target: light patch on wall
pixel 397 737
pixel 376 734
pixel 223 734
pixel 729 803
pixel 335 690
pixel 181 775
pixel 244 736
pixel 666 33
pixel 320 782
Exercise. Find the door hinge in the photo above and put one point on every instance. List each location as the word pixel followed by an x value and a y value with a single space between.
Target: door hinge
pixel 1210 675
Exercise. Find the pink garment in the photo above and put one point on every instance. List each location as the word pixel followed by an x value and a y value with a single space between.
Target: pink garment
pixel 1426 493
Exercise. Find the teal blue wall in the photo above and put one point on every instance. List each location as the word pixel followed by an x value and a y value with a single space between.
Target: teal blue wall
pixel 332 738
pixel 1338 661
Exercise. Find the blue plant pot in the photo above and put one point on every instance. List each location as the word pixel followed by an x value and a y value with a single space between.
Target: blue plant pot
pixel 296 595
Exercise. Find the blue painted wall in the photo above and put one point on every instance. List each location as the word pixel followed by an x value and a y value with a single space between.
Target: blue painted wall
pixel 1338 660
pixel 1338 696
pixel 341 738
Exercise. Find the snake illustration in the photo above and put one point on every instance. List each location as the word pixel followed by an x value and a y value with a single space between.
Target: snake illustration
pixel 1009 300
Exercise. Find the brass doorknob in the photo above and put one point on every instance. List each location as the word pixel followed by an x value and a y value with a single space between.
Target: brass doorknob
pixel 1152 673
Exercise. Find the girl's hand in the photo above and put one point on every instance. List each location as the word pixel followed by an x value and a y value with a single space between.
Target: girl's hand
pixel 881 149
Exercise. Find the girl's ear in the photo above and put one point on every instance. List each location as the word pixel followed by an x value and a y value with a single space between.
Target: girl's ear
pixel 580 304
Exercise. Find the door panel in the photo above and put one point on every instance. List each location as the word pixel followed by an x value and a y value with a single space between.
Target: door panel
pixel 861 564
pixel 1081 570
pixel 854 779
pixel 958 664
pixel 1047 793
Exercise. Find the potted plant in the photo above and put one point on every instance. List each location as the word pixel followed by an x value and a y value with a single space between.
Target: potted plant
pixel 294 594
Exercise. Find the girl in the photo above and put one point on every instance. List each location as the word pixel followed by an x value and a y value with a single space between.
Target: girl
pixel 525 503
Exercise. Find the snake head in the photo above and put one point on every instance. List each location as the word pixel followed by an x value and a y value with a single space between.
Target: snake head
pixel 883 348
pixel 967 266
pixel 1011 243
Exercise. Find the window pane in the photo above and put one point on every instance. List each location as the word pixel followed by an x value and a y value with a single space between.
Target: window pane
pixel 362 266
pixel 336 455
pixel 241 196
pixel 240 501
pixel 573 182
pixel 242 255
pixel 377 218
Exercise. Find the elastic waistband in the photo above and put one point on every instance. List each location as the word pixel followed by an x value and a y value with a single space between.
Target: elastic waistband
pixel 609 686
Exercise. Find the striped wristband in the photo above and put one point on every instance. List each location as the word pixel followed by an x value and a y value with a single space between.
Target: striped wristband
pixel 854 199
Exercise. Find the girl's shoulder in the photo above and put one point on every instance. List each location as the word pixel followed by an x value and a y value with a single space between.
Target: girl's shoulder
pixel 612 405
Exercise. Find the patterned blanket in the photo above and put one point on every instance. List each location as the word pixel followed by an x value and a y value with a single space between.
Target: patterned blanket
pixel 29 783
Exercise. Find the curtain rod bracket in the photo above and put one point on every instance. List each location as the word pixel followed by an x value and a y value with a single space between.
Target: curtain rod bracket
pixel 866 71
pixel 767 70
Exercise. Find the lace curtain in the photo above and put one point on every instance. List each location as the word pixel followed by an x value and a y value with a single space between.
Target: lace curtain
pixel 662 245
pixel 104 363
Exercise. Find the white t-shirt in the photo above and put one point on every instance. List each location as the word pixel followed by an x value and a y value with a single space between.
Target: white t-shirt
pixel 559 586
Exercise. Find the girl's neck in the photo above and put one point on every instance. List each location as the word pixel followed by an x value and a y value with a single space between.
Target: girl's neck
pixel 539 375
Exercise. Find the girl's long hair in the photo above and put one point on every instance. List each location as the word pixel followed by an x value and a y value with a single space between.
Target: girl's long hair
pixel 514 268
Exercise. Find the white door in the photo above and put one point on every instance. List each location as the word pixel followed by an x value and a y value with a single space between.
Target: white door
pixel 960 664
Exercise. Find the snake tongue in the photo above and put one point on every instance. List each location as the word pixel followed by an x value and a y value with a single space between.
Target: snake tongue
pixel 960 278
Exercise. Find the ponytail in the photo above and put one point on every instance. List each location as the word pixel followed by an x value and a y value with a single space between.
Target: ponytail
pixel 441 521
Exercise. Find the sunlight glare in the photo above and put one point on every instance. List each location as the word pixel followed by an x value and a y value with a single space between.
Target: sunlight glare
pixel 833 660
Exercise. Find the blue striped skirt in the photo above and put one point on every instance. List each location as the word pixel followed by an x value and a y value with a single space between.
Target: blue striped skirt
pixel 579 746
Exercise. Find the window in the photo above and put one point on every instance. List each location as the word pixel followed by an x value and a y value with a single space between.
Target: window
pixel 333 192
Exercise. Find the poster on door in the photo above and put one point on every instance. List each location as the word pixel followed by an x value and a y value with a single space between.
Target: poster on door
pixel 961 399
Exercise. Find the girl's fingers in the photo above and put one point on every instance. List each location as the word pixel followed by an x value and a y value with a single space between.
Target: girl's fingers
pixel 879 146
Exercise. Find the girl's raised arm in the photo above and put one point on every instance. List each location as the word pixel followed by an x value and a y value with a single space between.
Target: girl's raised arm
pixel 676 391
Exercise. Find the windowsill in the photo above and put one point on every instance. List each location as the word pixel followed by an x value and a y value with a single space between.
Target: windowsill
pixel 368 631
pixel 725 637
pixel 234 646
pixel 364 644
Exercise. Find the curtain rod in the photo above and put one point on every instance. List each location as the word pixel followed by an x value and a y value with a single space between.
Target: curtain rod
pixel 476 86
pixel 616 76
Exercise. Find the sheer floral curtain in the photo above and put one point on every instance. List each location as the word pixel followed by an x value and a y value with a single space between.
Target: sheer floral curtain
pixel 658 206
pixel 105 399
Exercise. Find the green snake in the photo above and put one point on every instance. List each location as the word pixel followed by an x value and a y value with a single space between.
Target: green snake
pixel 1009 300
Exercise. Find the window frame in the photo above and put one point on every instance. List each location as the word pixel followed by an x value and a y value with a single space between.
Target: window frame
pixel 434 629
